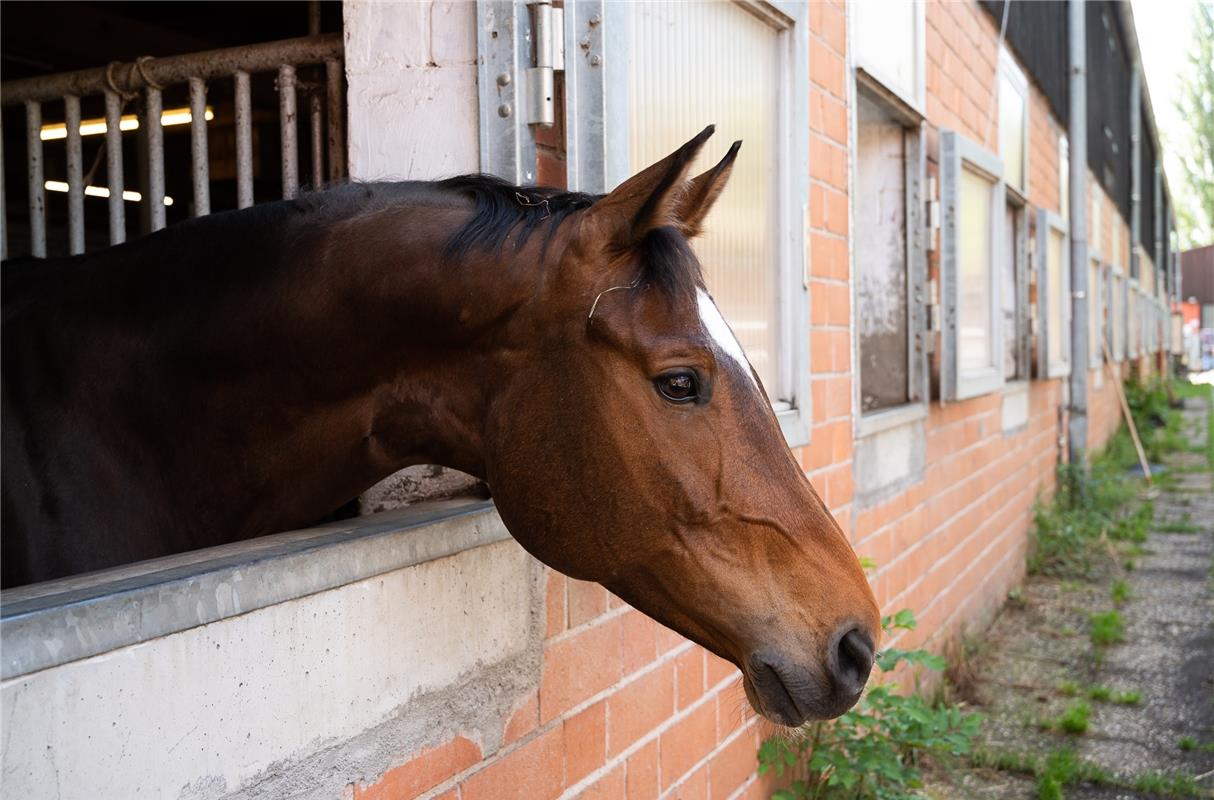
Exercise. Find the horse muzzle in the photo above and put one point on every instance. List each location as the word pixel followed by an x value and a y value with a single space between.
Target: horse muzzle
pixel 791 694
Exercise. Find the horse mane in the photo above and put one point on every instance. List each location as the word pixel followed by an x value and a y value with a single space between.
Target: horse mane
pixel 501 208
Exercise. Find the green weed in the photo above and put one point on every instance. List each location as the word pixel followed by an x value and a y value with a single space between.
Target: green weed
pixel 1074 719
pixel 1107 627
pixel 1120 592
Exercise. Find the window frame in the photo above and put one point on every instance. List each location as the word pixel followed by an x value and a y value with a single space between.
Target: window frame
pixel 1096 300
pixel 1011 70
pixel 1133 321
pixel 917 100
pixel 1047 222
pixel 915 166
pixel 1117 315
pixel 598 47
pixel 956 154
pixel 1023 326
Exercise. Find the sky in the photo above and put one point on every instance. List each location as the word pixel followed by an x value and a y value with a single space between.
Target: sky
pixel 1164 31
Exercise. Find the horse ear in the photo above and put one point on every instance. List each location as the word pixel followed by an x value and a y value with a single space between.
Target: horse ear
pixel 649 199
pixel 701 192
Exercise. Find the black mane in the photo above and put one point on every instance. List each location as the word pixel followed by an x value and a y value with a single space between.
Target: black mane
pixel 501 207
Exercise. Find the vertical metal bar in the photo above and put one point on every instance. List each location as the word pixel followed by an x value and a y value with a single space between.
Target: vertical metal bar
pixel 335 89
pixel 37 189
pixel 244 142
pixel 75 176
pixel 3 202
pixel 1077 425
pixel 313 17
pixel 200 165
pixel 318 142
pixel 286 120
pixel 155 139
pixel 113 166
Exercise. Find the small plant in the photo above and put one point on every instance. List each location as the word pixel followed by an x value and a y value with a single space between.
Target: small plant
pixel 1107 627
pixel 1068 688
pixel 1101 694
pixel 1120 592
pixel 1187 743
pixel 1131 697
pixel 1177 527
pixel 1074 719
pixel 873 751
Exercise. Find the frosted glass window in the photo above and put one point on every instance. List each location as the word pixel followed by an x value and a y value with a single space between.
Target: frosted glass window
pixel 879 239
pixel 1118 315
pixel 974 274
pixel 1055 301
pixel 1013 120
pixel 1095 310
pixel 1008 291
pixel 885 34
pixel 695 63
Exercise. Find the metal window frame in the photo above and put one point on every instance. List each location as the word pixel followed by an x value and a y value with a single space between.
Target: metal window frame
pixel 1010 69
pixel 915 161
pixel 958 153
pixel 597 44
pixel 504 33
pixel 1097 295
pixel 1024 332
pixel 1133 332
pixel 1048 221
pixel 1118 320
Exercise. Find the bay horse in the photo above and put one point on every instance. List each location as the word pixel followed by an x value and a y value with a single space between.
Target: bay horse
pixel 249 371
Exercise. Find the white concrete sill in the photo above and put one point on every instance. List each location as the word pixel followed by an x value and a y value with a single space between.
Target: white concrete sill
pixel 47 624
pixel 880 421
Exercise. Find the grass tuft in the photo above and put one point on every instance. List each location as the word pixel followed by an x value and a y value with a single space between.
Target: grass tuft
pixel 1107 627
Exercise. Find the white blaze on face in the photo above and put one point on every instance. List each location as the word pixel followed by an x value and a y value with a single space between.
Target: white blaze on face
pixel 720 332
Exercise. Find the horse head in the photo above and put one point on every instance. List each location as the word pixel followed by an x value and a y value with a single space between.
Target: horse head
pixel 631 443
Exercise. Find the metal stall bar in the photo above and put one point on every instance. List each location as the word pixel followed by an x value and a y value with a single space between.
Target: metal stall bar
pixel 244 142
pixel 335 89
pixel 154 199
pixel 75 176
pixel 3 203
pixel 179 69
pixel 37 190
pixel 113 166
pixel 286 120
pixel 318 147
pixel 199 163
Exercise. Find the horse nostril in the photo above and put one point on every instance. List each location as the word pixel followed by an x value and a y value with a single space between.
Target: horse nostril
pixel 854 661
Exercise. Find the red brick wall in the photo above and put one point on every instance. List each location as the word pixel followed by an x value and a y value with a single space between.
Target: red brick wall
pixel 626 708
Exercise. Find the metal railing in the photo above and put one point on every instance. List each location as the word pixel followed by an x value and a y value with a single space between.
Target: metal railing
pixel 122 82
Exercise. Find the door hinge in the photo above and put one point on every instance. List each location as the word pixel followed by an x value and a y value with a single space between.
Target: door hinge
pixel 548 24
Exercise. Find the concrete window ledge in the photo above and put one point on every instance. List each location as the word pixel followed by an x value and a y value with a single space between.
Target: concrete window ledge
pixel 891 448
pixel 48 624
pixel 1014 413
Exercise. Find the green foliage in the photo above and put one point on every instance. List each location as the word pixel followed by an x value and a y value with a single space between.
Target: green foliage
pixel 1177 527
pixel 1062 768
pixel 873 752
pixel 1130 697
pixel 1069 688
pixel 1101 694
pixel 1187 743
pixel 1075 718
pixel 1168 784
pixel 1107 627
pixel 1120 592
pixel 1195 105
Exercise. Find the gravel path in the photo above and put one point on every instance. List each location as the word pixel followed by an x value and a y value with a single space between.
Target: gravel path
pixel 1040 643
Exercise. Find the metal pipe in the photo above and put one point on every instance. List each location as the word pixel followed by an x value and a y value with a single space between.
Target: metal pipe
pixel 176 69
pixel 286 120
pixel 200 165
pixel 335 91
pixel 1135 167
pixel 75 176
pixel 113 167
pixel 37 189
pixel 318 141
pixel 153 108
pixel 1077 427
pixel 244 142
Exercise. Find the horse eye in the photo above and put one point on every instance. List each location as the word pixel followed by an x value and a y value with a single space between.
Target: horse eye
pixel 678 387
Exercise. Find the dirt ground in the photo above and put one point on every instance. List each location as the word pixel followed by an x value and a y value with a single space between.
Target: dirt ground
pixel 1038 650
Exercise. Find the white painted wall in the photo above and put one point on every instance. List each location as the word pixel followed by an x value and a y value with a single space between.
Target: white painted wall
pixel 299 698
pixel 411 73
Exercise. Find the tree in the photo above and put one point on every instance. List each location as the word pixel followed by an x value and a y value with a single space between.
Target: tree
pixel 1195 212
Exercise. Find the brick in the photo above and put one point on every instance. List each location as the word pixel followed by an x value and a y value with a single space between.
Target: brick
pixel 579 667
pixel 555 604
pixel 733 709
pixel 693 787
pixel 732 765
pixel 640 645
pixel 586 601
pixel 608 787
pixel 834 27
pixel 642 777
pixel 686 742
pixel 636 709
pixel 585 742
pixel 689 677
pixel 524 720
pixel 532 772
pixel 425 771
pixel 717 669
